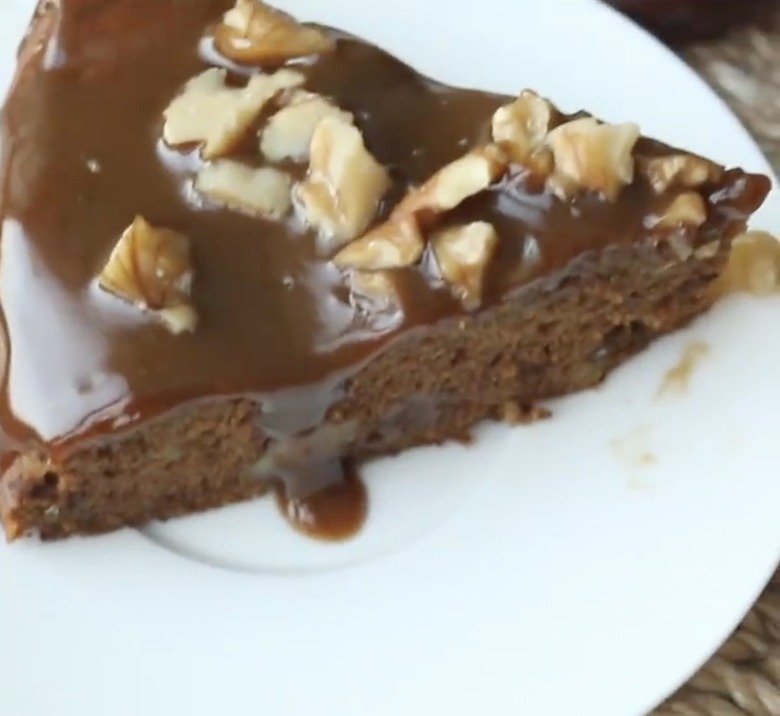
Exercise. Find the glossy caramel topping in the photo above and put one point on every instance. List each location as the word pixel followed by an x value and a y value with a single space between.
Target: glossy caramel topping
pixel 83 155
pixel 333 513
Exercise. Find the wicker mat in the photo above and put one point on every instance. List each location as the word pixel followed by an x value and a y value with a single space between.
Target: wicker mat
pixel 743 679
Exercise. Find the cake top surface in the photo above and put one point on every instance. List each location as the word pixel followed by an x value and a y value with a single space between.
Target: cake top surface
pixel 205 199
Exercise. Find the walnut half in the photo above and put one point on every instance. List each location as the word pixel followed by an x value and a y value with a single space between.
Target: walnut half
pixel 253 32
pixel 151 267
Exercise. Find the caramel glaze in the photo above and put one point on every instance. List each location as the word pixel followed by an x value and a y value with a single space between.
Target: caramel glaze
pixel 82 155
pixel 333 513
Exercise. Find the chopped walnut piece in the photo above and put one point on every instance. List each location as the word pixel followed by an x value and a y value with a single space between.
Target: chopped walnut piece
pixel 253 32
pixel 454 183
pixel 289 133
pixel 262 192
pixel 592 155
pixel 514 413
pixel 463 254
pixel 179 319
pixel 708 251
pixel 345 184
pixel 394 244
pixel 151 267
pixel 753 266
pixel 209 112
pixel 521 128
pixel 683 171
pixel 680 245
pixel 687 209
pixel 376 287
pixel 399 241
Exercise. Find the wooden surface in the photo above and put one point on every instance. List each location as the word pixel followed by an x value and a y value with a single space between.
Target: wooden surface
pixel 743 679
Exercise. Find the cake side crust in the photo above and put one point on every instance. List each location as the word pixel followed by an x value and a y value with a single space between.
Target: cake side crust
pixel 633 236
pixel 424 389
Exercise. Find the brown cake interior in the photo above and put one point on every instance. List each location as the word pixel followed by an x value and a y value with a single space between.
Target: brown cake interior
pixel 109 420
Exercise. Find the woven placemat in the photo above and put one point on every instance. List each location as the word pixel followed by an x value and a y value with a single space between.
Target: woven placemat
pixel 743 679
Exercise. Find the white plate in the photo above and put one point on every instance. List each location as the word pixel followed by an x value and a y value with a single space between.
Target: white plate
pixel 586 565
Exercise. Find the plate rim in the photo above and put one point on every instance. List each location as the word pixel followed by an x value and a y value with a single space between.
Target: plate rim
pixel 774 198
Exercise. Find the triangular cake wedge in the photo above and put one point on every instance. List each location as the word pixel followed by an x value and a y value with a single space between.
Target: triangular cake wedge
pixel 239 250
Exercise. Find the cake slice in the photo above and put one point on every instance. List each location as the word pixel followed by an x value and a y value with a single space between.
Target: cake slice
pixel 240 252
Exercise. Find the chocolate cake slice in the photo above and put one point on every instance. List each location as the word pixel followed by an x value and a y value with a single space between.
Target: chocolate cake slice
pixel 240 252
